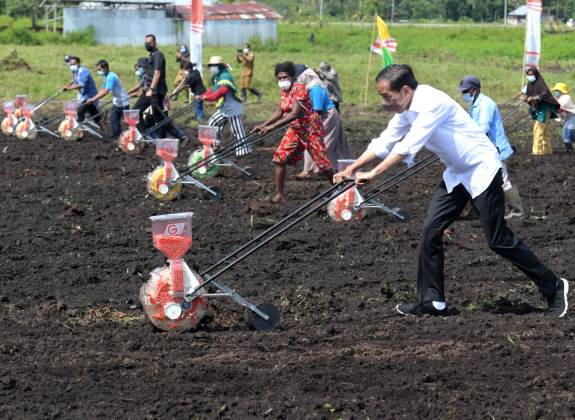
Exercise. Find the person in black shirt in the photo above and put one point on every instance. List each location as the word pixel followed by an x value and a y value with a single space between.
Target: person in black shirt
pixel 155 90
pixel 194 83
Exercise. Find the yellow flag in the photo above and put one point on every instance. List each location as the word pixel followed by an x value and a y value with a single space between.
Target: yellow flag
pixel 382 29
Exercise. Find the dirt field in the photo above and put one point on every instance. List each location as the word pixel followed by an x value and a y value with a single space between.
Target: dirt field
pixel 76 247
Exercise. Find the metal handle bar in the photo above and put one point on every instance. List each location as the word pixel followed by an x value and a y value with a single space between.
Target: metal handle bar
pixel 283 225
pixel 271 233
pixel 48 99
pixel 249 140
pixel 169 118
pixel 403 175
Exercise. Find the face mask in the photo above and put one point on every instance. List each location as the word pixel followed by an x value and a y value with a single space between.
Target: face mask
pixel 531 79
pixel 246 50
pixel 74 68
pixel 149 47
pixel 214 70
pixel 467 97
pixel 393 106
pixel 101 73
pixel 284 84
pixel 187 73
pixel 557 94
pixel 139 72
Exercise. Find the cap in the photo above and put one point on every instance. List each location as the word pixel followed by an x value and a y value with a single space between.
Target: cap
pixel 469 82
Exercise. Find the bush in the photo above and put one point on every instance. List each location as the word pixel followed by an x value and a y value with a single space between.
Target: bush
pixel 21 35
pixel 85 37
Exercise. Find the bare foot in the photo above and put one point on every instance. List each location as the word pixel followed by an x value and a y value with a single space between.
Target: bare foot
pixel 276 199
pixel 303 175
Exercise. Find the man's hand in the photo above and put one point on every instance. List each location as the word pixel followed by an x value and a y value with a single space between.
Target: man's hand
pixel 362 178
pixel 90 101
pixel 199 97
pixel 65 88
pixel 149 92
pixel 345 174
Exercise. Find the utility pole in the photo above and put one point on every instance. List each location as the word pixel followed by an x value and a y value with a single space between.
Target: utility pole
pixel 321 12
pixel 504 12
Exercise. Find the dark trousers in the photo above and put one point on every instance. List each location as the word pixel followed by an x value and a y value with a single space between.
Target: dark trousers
pixel 116 116
pixel 490 205
pixel 157 103
pixel 91 109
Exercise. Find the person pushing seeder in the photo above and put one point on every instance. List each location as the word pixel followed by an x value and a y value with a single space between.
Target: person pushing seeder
pixel 425 116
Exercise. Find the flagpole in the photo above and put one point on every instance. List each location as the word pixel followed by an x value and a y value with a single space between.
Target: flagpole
pixel 369 60
pixel 524 51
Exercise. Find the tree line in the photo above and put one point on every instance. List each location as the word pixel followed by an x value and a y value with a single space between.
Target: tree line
pixel 442 10
pixel 396 10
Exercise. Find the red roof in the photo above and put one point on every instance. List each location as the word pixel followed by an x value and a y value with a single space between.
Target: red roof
pixel 233 11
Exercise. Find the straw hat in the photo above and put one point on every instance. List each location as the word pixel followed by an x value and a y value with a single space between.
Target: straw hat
pixel 566 103
pixel 215 60
pixel 561 87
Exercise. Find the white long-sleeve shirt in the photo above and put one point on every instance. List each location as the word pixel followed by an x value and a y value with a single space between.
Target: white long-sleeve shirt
pixel 436 121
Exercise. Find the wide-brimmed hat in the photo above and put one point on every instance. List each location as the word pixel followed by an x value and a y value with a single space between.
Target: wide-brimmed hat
pixel 566 103
pixel 561 87
pixel 215 60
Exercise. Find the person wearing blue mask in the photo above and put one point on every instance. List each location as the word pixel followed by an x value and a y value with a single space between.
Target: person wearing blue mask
pixel 483 110
pixel 334 138
pixel 140 73
pixel 120 99
pixel 84 83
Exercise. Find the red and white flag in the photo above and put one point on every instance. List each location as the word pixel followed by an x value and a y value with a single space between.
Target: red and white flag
pixel 533 34
pixel 196 31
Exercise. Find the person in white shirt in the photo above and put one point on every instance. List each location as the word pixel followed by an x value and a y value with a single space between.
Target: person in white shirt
pixel 425 116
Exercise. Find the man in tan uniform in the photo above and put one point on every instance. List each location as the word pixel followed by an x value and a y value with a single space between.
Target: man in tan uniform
pixel 246 58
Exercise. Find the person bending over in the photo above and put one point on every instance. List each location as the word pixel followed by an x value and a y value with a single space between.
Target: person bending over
pixel 425 116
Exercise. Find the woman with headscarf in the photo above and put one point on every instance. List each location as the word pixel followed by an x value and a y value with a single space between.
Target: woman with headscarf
pixel 334 138
pixel 229 107
pixel 304 133
pixel 543 107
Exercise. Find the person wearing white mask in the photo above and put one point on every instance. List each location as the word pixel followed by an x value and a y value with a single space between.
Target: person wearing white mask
pixel 120 98
pixel 246 58
pixel 304 133
pixel 86 87
pixel 483 110
pixel 229 107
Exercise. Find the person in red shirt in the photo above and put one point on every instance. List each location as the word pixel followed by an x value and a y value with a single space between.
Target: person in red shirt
pixel 304 133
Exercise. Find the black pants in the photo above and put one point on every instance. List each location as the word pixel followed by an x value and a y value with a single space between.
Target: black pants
pixel 490 205
pixel 157 103
pixel 116 116
pixel 91 109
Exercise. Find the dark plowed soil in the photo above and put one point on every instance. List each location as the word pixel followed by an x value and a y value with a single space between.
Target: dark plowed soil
pixel 76 247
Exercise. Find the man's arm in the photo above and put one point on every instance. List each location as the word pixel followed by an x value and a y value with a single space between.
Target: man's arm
pixel 103 92
pixel 379 146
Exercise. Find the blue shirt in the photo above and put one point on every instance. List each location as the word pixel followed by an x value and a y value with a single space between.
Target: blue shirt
pixel 113 84
pixel 320 100
pixel 88 88
pixel 485 113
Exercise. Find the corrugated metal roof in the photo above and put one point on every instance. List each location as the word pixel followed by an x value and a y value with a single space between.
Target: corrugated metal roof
pixel 233 11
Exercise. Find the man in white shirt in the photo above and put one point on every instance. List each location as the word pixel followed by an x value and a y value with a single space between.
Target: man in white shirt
pixel 428 117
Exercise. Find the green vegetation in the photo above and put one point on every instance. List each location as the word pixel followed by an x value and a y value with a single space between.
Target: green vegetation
pixel 439 55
